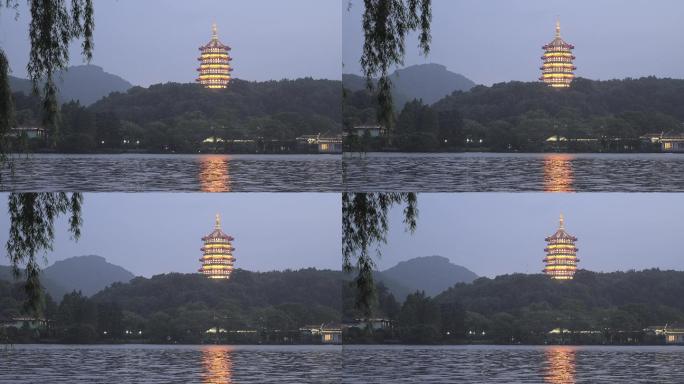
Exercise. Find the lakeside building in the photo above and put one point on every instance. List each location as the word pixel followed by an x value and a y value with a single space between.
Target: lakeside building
pixel 28 132
pixel 25 322
pixel 367 131
pixel 326 333
pixel 561 254
pixel 217 259
pixel 320 143
pixel 214 70
pixel 558 68
pixel 668 141
pixel 672 333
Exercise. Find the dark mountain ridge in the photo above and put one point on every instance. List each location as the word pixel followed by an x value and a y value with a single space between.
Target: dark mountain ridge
pixel 431 274
pixel 84 83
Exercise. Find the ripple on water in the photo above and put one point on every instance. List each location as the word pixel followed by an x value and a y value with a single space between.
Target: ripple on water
pixel 209 173
pixel 484 172
pixel 515 364
pixel 170 364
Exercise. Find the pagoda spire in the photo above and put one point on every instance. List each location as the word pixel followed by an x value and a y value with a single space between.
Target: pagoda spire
pixel 562 222
pixel 558 35
pixel 218 222
pixel 214 31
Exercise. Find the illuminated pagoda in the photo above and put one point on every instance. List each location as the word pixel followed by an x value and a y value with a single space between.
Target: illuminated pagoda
pixel 561 254
pixel 214 69
pixel 217 260
pixel 558 69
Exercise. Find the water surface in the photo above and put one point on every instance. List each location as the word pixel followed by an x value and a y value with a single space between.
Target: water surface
pixel 170 364
pixel 512 364
pixel 138 172
pixel 483 172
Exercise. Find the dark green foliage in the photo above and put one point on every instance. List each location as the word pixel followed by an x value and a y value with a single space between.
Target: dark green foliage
pixel 419 319
pixel 524 308
pixel 182 307
pixel 519 116
pixel 6 105
pixel 178 117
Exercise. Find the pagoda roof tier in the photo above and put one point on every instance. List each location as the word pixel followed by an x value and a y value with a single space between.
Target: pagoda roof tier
pixel 217 234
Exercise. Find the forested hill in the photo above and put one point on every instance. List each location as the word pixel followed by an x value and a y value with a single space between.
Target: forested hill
pixel 622 108
pixel 624 300
pixel 176 117
pixel 592 116
pixel 178 307
pixel 313 292
pixel 305 101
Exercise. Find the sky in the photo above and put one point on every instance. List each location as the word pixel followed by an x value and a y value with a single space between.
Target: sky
pixel 156 41
pixel 153 233
pixel 492 41
pixel 499 233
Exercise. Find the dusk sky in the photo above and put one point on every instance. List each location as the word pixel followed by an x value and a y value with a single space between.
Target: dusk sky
pixel 153 233
pixel 500 40
pixel 494 233
pixel 157 41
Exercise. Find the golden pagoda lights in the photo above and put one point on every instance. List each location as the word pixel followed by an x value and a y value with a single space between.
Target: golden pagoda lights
pixel 217 259
pixel 561 254
pixel 558 69
pixel 214 69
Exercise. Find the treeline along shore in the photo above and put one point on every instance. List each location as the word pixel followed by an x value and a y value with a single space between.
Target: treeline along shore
pixel 626 308
pixel 287 307
pixel 630 115
pixel 286 116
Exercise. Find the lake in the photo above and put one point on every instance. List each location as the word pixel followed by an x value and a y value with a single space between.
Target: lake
pixel 513 364
pixel 143 172
pixel 170 364
pixel 502 172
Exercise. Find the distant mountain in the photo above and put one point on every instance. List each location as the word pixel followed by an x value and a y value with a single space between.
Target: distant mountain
pixel 432 274
pixel 86 83
pixel 88 274
pixel 55 289
pixel 429 82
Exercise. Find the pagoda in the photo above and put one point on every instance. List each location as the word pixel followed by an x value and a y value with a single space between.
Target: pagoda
pixel 558 69
pixel 561 254
pixel 214 69
pixel 217 259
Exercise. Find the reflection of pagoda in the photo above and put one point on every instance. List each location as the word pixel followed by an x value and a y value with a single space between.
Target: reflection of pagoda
pixel 214 69
pixel 217 261
pixel 561 254
pixel 558 69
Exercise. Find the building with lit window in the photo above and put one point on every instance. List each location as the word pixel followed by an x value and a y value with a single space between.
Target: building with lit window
pixel 558 69
pixel 561 254
pixel 217 259
pixel 214 69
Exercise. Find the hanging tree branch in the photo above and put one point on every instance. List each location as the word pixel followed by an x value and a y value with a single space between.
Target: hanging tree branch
pixel 54 25
pixel 364 226
pixel 386 24
pixel 32 217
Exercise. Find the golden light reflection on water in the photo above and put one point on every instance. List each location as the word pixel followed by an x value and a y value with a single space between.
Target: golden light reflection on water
pixel 561 365
pixel 217 364
pixel 558 174
pixel 214 173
